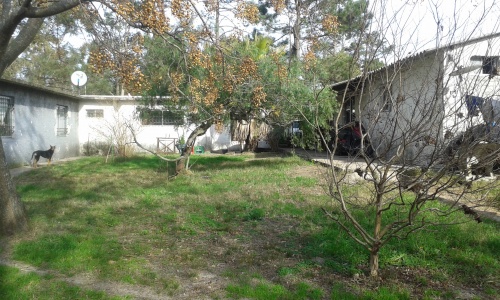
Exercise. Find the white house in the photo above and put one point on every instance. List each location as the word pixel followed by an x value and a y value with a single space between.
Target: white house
pixel 159 130
pixel 416 103
pixel 33 118
pixel 425 99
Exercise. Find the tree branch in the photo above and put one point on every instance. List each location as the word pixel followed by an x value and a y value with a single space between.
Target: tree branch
pixel 22 41
pixel 53 9
pixel 132 131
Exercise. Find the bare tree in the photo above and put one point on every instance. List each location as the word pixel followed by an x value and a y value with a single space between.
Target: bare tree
pixel 115 133
pixel 412 128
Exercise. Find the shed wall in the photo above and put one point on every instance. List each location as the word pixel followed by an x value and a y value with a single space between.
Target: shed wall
pixel 35 124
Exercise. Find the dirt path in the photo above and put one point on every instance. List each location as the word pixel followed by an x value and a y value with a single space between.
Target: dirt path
pixel 344 163
pixel 89 283
pixel 198 288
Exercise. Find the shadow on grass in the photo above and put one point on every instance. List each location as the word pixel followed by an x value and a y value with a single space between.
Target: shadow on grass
pixel 90 180
pixel 227 162
pixel 80 207
pixel 197 163
pixel 267 227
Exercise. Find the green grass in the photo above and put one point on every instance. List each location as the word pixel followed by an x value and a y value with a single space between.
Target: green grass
pixel 264 291
pixel 19 286
pixel 254 224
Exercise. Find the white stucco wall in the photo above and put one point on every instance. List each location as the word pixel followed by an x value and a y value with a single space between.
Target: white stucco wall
pixel 469 81
pixel 433 97
pixel 414 112
pixel 117 110
pixel 35 123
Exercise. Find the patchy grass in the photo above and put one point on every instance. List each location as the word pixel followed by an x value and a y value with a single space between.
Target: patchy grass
pixel 237 226
pixel 19 286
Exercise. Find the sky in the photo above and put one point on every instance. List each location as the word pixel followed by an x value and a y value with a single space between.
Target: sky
pixel 416 25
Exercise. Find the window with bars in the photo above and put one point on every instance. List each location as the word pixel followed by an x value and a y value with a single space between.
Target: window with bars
pixel 160 117
pixel 62 120
pixel 6 116
pixel 95 113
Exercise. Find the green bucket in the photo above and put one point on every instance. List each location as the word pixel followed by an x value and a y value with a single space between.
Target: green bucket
pixel 199 149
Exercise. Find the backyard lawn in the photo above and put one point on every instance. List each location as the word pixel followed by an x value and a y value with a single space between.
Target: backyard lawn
pixel 236 227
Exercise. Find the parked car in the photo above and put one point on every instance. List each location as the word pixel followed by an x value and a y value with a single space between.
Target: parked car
pixel 349 140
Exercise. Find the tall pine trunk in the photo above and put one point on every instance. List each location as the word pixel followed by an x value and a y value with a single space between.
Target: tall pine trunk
pixel 13 217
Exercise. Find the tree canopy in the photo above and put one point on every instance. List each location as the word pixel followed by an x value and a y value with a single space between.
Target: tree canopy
pixel 216 70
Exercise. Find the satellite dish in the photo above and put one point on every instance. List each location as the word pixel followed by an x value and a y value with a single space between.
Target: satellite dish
pixel 78 78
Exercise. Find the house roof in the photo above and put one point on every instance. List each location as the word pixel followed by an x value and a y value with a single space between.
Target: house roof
pixel 110 97
pixel 354 81
pixel 25 85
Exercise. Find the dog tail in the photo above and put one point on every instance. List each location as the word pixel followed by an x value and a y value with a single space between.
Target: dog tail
pixel 31 160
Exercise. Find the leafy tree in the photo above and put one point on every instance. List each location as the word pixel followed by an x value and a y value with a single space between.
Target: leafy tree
pixel 115 52
pixel 213 75
pixel 20 22
pixel 239 82
pixel 328 26
pixel 48 61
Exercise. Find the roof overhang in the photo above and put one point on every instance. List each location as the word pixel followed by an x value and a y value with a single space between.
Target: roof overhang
pixel 353 83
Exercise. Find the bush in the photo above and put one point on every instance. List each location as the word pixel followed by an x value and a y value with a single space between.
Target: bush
pixel 96 148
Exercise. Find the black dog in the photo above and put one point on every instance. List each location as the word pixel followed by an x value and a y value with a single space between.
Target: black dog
pixel 47 154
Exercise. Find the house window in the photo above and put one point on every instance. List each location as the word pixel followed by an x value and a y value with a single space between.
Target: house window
pixel 95 113
pixel 387 98
pixel 349 107
pixel 160 117
pixel 6 116
pixel 489 64
pixel 62 120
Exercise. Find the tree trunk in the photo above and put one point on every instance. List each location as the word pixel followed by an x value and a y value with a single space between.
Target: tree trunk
pixel 252 138
pixel 296 30
pixel 13 216
pixel 374 263
pixel 377 233
pixel 180 166
pixel 186 151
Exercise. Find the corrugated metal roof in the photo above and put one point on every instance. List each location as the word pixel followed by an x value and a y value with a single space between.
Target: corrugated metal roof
pixel 24 84
pixel 111 97
pixel 339 85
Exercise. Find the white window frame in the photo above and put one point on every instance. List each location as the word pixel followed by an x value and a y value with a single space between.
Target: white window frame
pixel 62 120
pixel 95 113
